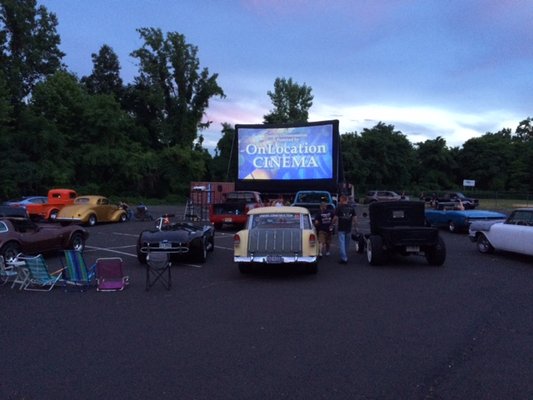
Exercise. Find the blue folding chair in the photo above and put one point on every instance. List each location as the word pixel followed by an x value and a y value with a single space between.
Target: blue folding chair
pixel 77 275
pixel 39 279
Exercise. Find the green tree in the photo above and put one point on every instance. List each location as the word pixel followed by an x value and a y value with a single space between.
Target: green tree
pixel 225 160
pixel 105 76
pixel 291 102
pixel 387 157
pixel 354 167
pixel 434 165
pixel 487 159
pixel 29 47
pixel 171 78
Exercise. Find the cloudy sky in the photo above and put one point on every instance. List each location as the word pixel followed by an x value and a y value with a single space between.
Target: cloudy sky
pixel 454 68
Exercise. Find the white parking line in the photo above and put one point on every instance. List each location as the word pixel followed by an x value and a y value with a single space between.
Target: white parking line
pixel 131 255
pixel 112 251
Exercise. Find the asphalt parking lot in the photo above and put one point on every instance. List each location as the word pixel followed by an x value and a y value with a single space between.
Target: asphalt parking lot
pixel 401 331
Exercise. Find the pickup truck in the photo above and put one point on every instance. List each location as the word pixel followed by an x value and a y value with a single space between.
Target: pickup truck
pixel 234 209
pixel 311 200
pixel 450 200
pixel 57 199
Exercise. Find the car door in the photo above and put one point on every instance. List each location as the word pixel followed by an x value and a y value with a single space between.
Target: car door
pixel 37 239
pixel 515 234
pixel 104 210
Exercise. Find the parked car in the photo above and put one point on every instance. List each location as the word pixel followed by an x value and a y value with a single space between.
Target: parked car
pixel 179 238
pixel 397 227
pixel 18 234
pixel 452 199
pixel 460 220
pixel 24 201
pixel 383 195
pixel 514 234
pixel 90 210
pixel 57 199
pixel 282 235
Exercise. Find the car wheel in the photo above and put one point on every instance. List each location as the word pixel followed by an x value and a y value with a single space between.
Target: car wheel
pixel 201 255
pixel 53 215
pixel 218 226
pixel 436 255
pixel 92 220
pixel 483 244
pixel 245 268
pixel 374 250
pixel 211 243
pixel 123 217
pixel 451 227
pixel 311 268
pixel 141 257
pixel 360 244
pixel 10 251
pixel 77 242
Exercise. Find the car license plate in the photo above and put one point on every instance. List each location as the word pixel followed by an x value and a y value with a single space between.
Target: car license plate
pixel 412 249
pixel 228 219
pixel 274 259
pixel 165 245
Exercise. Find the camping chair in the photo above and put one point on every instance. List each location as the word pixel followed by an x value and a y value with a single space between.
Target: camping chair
pixel 110 274
pixel 76 274
pixel 157 266
pixel 7 272
pixel 39 279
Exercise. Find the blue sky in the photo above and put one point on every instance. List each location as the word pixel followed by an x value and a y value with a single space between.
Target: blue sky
pixel 455 68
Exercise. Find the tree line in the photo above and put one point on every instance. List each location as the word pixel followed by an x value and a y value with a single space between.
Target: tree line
pixel 100 135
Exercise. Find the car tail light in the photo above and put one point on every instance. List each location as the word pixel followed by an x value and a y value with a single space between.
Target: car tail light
pixel 236 240
pixel 312 240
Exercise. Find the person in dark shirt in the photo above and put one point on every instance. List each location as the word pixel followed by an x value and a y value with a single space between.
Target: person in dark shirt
pixel 344 220
pixel 324 226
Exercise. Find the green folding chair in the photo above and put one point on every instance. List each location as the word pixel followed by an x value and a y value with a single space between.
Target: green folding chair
pixel 77 275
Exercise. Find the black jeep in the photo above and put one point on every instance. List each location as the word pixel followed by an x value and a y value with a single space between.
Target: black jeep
pixel 397 227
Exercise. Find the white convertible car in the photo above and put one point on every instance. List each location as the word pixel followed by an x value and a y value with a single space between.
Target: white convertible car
pixel 513 234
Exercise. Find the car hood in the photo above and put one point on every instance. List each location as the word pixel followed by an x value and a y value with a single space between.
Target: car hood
pixel 484 225
pixel 482 214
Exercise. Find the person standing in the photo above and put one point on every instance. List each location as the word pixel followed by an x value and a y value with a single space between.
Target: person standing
pixel 344 220
pixel 324 226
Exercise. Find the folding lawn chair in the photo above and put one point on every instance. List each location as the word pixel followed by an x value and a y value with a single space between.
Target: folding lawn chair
pixel 7 272
pixel 77 275
pixel 39 279
pixel 158 269
pixel 110 274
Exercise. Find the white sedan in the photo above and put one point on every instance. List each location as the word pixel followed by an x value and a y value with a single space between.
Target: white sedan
pixel 513 234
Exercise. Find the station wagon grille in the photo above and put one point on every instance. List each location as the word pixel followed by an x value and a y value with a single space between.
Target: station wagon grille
pixel 280 242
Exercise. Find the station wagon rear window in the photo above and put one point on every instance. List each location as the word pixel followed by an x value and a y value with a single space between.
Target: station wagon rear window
pixel 267 221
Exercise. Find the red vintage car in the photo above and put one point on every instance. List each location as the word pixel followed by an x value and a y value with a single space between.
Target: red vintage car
pixel 57 199
pixel 18 234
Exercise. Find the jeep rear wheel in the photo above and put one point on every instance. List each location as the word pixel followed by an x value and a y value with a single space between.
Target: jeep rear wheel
pixel 374 250
pixel 436 255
